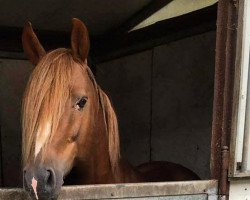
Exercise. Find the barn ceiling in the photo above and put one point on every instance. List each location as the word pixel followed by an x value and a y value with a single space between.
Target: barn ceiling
pixel 108 21
pixel 55 15
pixel 173 9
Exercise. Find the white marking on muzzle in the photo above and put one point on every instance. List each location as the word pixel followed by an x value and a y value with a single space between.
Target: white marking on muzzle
pixel 34 186
pixel 42 135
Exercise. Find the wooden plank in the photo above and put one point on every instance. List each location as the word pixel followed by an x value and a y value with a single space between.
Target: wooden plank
pixel 111 46
pixel 143 14
pixel 239 189
pixel 129 191
pixel 1 172
pixel 10 39
pixel 1 150
pixel 12 55
pixel 241 96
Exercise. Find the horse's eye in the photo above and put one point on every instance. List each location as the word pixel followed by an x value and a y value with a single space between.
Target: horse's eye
pixel 81 103
pixel 73 138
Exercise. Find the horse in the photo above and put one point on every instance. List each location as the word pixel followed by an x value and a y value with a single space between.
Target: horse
pixel 69 127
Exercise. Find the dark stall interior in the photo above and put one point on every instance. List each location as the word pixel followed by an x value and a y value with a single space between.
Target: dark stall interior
pixel 154 59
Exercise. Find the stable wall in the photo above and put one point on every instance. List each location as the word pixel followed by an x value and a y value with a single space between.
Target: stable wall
pixel 163 99
pixel 13 77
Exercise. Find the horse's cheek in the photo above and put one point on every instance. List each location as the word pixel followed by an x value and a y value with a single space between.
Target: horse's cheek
pixel 69 156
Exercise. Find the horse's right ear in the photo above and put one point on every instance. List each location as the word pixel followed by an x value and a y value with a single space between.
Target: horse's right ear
pixel 79 40
pixel 31 45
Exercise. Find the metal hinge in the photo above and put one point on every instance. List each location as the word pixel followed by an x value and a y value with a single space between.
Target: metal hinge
pixel 224 171
pixel 222 197
pixel 236 3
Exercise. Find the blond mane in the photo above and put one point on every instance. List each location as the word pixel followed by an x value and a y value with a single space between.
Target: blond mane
pixel 111 128
pixel 45 97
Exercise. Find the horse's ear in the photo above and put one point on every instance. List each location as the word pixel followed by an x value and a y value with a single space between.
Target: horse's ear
pixel 79 40
pixel 31 45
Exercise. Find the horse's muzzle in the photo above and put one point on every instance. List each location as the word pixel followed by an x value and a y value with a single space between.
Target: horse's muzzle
pixel 42 182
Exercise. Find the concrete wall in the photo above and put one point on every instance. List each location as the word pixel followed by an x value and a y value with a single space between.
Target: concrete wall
pixel 166 115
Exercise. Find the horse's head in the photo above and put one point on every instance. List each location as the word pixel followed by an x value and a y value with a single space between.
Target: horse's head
pixel 61 106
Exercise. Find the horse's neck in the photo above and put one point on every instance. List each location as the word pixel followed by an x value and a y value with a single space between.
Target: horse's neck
pixel 93 165
pixel 127 173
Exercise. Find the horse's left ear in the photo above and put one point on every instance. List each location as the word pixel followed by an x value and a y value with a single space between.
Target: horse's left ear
pixel 79 40
pixel 31 45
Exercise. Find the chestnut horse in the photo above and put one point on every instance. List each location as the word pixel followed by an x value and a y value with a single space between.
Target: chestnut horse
pixel 69 124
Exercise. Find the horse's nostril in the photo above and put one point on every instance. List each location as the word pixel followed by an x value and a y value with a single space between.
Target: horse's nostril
pixel 50 179
pixel 24 173
pixel 24 179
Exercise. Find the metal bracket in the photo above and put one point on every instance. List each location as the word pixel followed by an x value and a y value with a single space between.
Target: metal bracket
pixel 236 3
pixel 224 171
